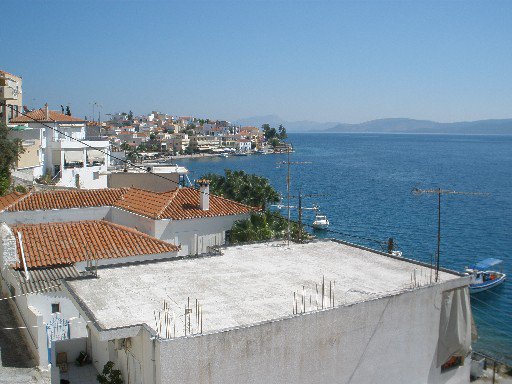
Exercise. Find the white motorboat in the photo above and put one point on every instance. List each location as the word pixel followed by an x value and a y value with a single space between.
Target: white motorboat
pixel 482 278
pixel 320 222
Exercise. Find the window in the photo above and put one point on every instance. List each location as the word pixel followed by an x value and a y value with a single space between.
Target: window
pixel 55 307
pixel 452 362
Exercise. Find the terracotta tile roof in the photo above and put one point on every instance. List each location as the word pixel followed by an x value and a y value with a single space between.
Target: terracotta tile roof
pixel 40 115
pixel 9 199
pixel 61 199
pixel 180 204
pixel 54 244
pixel 146 203
pixel 9 74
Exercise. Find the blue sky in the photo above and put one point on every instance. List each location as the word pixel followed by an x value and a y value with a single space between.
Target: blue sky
pixel 346 61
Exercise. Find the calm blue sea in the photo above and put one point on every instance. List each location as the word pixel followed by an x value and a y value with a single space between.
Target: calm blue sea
pixel 366 180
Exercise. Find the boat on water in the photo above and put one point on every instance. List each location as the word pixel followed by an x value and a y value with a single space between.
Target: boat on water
pixel 224 154
pixel 482 277
pixel 397 253
pixel 241 154
pixel 320 222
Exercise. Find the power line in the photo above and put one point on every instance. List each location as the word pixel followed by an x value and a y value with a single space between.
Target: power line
pixel 494 308
pixel 497 321
pixel 104 152
pixel 439 192
pixel 288 163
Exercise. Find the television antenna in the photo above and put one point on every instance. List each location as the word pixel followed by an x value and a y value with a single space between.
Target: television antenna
pixel 439 192
pixel 288 184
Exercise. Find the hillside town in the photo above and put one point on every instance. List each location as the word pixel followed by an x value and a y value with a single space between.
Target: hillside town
pixel 116 267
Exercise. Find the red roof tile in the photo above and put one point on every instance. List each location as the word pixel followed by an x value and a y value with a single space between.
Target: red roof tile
pixel 40 115
pixel 180 204
pixel 52 244
pixel 61 199
pixel 9 199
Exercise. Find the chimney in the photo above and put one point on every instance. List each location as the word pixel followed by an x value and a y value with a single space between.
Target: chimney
pixel 47 112
pixel 204 195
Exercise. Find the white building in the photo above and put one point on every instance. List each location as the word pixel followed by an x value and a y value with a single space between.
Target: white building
pixel 323 312
pixel 70 163
pixel 35 257
pixel 11 96
pixel 244 145
pixel 194 220
pixel 168 177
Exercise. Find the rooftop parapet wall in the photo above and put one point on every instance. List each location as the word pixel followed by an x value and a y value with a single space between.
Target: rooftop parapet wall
pixel 390 339
pixel 249 284
pixel 8 254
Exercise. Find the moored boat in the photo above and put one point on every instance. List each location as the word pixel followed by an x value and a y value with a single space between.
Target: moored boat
pixel 483 278
pixel 320 222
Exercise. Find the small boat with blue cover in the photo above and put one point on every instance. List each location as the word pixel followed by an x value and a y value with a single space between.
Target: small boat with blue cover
pixel 483 278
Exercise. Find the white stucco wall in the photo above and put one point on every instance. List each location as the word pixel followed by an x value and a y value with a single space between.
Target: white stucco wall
pixel 28 317
pixel 55 215
pixel 91 177
pixel 194 235
pixel 42 302
pixel 390 340
pixel 140 223
pixel 35 310
pixel 147 181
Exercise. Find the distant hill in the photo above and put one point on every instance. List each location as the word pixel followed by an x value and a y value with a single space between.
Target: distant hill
pixel 503 126
pixel 291 126
pixel 392 125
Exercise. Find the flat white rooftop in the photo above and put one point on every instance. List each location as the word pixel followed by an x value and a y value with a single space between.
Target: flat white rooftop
pixel 247 284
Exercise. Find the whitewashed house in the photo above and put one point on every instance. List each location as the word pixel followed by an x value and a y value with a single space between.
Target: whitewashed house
pixel 49 235
pixel 194 220
pixel 35 257
pixel 68 162
pixel 243 145
pixel 323 312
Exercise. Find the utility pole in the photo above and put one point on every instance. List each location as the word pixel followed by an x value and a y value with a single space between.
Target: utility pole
pixel 439 192
pixel 288 185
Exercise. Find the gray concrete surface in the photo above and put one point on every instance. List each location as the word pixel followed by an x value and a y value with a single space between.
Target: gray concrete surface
pixel 247 284
pixel 23 376
pixel 13 348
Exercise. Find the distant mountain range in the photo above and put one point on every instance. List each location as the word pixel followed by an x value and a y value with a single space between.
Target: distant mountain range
pixel 393 125
pixel 291 126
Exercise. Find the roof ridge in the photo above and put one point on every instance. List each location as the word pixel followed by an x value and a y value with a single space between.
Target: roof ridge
pixel 52 223
pixel 225 198
pixel 169 201
pixel 22 197
pixel 132 230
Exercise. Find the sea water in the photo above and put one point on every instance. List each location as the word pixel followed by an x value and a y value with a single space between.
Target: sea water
pixel 364 185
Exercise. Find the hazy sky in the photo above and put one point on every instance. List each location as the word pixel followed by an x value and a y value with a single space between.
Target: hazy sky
pixel 346 61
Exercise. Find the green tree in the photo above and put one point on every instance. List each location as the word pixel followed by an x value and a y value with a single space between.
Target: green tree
pixel 125 146
pixel 10 151
pixel 262 226
pixel 68 110
pixel 274 142
pixel 282 132
pixel 130 116
pixel 245 188
pixel 109 375
pixel 255 191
